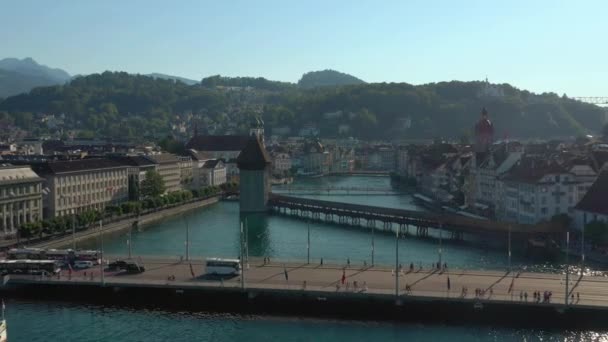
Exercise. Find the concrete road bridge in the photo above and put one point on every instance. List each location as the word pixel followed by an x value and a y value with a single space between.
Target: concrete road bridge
pixel 355 214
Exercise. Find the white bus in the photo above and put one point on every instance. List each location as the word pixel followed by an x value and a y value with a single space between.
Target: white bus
pixel 29 266
pixel 218 266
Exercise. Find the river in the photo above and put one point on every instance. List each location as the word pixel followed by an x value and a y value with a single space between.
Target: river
pixel 214 231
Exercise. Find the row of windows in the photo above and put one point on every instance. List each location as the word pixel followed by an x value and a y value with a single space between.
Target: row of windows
pixel 19 206
pixel 87 198
pixel 16 190
pixel 87 177
pixel 102 185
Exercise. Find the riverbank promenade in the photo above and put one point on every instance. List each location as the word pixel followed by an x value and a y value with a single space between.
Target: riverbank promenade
pixel 424 283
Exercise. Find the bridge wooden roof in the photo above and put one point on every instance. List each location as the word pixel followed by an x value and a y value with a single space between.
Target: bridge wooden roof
pixel 446 220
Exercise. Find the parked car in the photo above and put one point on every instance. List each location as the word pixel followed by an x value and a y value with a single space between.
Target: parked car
pixel 118 265
pixel 133 267
pixel 82 264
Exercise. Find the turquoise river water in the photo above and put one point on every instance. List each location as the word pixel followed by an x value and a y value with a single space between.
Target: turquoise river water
pixel 214 231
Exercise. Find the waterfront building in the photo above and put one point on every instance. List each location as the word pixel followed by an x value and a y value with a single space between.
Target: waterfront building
pixel 168 167
pixel 281 163
pixel 254 165
pixel 20 197
pixel 314 161
pixel 186 171
pixel 343 160
pixel 224 147
pixel 585 173
pixel 535 190
pixel 80 185
pixel 137 166
pixel 594 204
pixel 212 173
pixel 495 163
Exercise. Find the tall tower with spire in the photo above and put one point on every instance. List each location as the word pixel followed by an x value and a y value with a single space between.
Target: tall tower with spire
pixel 484 132
pixel 257 129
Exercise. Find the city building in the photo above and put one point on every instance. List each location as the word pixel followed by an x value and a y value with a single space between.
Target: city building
pixel 168 167
pixel 186 171
pixel 72 187
pixel 224 147
pixel 212 173
pixel 281 163
pixel 594 205
pixel 137 166
pixel 254 165
pixel 343 160
pixel 495 163
pixel 314 161
pixel 535 190
pixel 20 197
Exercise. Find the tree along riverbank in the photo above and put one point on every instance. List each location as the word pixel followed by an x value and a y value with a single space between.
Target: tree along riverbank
pixel 127 222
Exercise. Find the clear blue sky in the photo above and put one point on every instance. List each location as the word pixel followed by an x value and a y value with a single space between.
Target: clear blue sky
pixel 554 45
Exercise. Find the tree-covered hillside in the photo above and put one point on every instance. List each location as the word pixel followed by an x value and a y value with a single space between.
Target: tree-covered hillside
pixel 325 78
pixel 117 104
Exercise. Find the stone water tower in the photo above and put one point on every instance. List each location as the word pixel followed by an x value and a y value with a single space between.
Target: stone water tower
pixel 254 173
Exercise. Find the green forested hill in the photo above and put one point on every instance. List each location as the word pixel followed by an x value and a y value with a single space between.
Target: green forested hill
pixel 123 105
pixel 325 78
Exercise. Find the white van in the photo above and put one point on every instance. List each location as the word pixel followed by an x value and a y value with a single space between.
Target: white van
pixel 80 264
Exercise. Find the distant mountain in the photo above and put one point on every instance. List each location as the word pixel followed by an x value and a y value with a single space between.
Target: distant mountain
pixel 28 66
pixel 325 78
pixel 175 78
pixel 21 75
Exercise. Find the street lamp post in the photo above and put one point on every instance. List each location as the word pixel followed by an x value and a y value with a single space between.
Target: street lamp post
pixel 567 265
pixel 308 245
pixel 509 246
pixel 73 229
pixel 246 243
pixel 103 281
pixel 397 264
pixel 583 249
pixel 440 244
pixel 373 246
pixel 241 257
pixel 129 239
pixel 187 240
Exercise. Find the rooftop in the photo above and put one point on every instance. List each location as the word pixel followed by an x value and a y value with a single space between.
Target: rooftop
pixel 254 156
pixel 595 200
pixel 163 158
pixel 60 167
pixel 204 143
pixel 211 163
pixel 17 174
pixel 133 160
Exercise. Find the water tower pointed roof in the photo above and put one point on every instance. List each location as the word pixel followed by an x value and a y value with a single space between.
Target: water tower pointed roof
pixel 254 156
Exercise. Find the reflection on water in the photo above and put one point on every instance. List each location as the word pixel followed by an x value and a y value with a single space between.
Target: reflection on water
pixel 257 233
pixel 53 321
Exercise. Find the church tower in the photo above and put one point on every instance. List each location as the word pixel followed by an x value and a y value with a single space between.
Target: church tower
pixel 484 133
pixel 257 129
